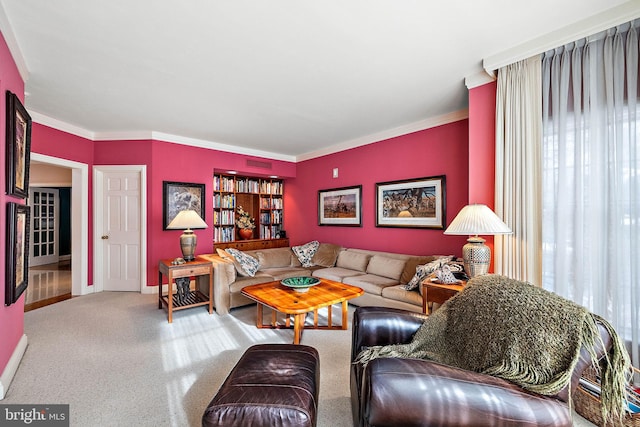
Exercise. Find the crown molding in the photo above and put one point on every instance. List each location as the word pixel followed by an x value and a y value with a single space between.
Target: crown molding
pixel 594 24
pixel 60 125
pixel 387 134
pixel 194 142
pixel 12 43
pixel 478 79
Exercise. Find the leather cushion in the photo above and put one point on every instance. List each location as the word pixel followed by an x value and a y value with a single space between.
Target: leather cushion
pixel 271 385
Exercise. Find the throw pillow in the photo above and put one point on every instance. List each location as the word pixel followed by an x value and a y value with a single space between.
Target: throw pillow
pixel 422 271
pixel 306 252
pixel 245 264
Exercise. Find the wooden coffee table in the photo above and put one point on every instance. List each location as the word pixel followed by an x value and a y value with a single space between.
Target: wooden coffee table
pixel 280 298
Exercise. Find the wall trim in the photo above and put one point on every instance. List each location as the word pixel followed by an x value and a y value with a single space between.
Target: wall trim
pixel 194 142
pixel 12 366
pixel 478 79
pixel 592 25
pixel 389 133
pixel 60 125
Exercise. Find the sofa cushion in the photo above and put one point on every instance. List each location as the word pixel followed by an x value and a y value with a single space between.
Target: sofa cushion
pixel 306 252
pixel 276 257
pixel 244 263
pixel 353 260
pixel 371 283
pixel 397 293
pixel 386 267
pixel 422 271
pixel 337 274
pixel 410 267
pixel 326 255
pixel 241 281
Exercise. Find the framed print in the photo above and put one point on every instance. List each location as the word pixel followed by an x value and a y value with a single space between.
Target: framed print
pixel 340 206
pixel 178 196
pixel 412 203
pixel 18 147
pixel 17 257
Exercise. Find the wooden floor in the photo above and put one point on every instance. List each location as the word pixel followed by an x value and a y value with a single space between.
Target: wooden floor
pixel 48 284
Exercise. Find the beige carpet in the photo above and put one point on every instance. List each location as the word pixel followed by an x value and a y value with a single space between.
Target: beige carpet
pixel 115 359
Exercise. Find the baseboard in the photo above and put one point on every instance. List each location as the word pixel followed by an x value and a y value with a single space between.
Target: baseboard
pixel 12 366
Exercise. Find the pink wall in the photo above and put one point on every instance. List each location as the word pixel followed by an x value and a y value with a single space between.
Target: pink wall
pixel 442 150
pixel 175 162
pixel 12 317
pixel 63 145
pixel 482 148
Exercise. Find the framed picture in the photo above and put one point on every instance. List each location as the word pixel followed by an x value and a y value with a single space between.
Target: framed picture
pixel 178 196
pixel 18 147
pixel 17 257
pixel 412 203
pixel 340 206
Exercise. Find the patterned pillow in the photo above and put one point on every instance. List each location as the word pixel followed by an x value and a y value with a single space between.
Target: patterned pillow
pixel 306 252
pixel 245 264
pixel 422 271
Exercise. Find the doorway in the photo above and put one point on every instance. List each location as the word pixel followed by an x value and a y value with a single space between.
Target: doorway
pixel 77 182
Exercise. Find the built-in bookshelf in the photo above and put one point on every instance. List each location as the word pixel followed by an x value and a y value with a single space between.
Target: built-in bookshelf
pixel 262 198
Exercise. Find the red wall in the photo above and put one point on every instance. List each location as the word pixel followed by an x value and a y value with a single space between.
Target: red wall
pixel 12 317
pixel 442 150
pixel 181 163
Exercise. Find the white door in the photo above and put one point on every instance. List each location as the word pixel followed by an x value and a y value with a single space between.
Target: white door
pixel 121 233
pixel 45 212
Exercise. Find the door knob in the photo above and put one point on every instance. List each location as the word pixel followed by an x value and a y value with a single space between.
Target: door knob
pixel 105 237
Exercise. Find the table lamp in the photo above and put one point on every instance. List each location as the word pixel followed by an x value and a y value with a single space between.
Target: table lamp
pixel 473 220
pixel 186 220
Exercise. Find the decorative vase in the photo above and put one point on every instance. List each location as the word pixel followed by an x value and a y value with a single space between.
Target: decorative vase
pixel 245 233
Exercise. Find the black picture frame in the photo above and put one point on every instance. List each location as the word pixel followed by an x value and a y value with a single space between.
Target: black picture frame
pixel 17 251
pixel 18 147
pixel 178 196
pixel 412 203
pixel 340 206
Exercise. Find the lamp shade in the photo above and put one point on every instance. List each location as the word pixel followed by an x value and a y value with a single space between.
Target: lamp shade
pixel 477 219
pixel 473 220
pixel 186 219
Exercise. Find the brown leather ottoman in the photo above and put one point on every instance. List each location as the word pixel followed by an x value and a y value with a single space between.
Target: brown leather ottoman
pixel 271 385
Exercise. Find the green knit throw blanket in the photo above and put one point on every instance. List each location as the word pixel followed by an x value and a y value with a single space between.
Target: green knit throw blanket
pixel 519 332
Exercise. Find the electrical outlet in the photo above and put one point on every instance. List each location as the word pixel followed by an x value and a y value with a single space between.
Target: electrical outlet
pixel 335 172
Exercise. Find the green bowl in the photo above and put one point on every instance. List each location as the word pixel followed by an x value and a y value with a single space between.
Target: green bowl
pixel 300 284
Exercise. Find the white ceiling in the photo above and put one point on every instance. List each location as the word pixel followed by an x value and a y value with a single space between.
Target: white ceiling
pixel 284 78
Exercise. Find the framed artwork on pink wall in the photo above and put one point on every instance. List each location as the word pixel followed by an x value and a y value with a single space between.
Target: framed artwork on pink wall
pixel 18 147
pixel 17 251
pixel 340 206
pixel 411 203
pixel 178 196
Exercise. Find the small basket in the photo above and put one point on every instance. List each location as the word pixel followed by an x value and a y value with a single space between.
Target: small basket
pixel 588 405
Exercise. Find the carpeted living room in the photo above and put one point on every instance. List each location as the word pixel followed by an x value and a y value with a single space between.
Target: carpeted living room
pixel 320 214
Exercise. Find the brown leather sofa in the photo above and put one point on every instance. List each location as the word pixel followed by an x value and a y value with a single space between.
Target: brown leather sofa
pixel 416 392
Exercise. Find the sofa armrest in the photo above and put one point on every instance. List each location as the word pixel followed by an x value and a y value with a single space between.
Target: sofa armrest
pixel 383 326
pixel 224 274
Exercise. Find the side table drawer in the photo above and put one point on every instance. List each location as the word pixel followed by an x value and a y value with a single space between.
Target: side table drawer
pixel 193 271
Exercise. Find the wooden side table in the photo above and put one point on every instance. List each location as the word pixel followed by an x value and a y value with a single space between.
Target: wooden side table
pixel 199 268
pixel 438 293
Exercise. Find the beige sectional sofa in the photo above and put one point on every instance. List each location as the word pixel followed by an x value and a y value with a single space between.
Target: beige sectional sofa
pixel 380 274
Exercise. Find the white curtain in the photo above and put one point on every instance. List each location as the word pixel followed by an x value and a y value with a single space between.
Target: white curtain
pixel 591 184
pixel 518 163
